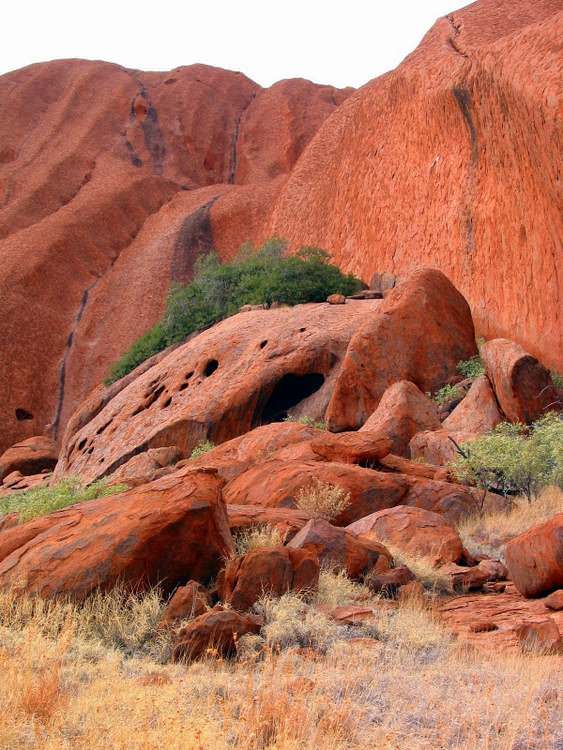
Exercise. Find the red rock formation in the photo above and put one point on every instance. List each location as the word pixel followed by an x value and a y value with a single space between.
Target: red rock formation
pixel 188 601
pixel 273 571
pixel 31 456
pixel 451 160
pixel 535 558
pixel 415 531
pixel 477 412
pixel 216 631
pixel 160 534
pixel 118 179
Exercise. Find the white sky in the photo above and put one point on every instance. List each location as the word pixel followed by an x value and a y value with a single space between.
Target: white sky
pixel 341 43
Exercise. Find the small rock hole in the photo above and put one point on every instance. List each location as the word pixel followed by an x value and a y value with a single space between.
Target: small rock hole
pixel 263 344
pixel 210 367
pixel 23 414
pixel 166 404
pixel 302 330
pixel 82 444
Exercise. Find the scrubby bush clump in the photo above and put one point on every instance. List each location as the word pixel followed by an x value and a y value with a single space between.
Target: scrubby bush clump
pixel 515 459
pixel 257 537
pixel 471 368
pixel 219 289
pixel 308 422
pixel 322 499
pixel 43 500
pixel 447 393
pixel 203 447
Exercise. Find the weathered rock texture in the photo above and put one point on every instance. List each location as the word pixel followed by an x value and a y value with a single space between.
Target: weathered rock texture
pixel 113 181
pixel 165 533
pixel 117 180
pixel 451 160
pixel 535 558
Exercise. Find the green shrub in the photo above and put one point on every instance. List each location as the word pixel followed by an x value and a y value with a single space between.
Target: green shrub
pixel 218 290
pixel 515 459
pixel 43 500
pixel 308 422
pixel 471 368
pixel 557 379
pixel 203 447
pixel 447 393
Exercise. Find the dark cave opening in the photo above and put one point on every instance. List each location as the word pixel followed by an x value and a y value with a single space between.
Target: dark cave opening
pixel 288 392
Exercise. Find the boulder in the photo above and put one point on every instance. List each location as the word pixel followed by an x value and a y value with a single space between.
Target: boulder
pixel 352 447
pixel 477 412
pixel 522 385
pixel 414 468
pixel 417 532
pixel 286 520
pixel 438 447
pixel 31 456
pixel 163 533
pixel 390 581
pixel 276 484
pixel 535 558
pixel 453 501
pixel 146 465
pixel 213 633
pixel 402 412
pixel 250 369
pixel 187 602
pixel 540 637
pixel 337 546
pixel 268 571
pixel 336 299
pixel 554 601
pixel 418 333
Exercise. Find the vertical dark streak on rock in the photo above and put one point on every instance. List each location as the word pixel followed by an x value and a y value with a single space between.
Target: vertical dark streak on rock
pixel 463 99
pixel 194 239
pixel 234 142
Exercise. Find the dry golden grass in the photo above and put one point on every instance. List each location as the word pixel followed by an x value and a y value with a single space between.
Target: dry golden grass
pixel 322 499
pixel 489 533
pixel 256 537
pixel 412 690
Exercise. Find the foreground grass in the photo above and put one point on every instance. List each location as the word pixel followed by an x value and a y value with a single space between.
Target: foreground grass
pixel 80 677
pixel 489 533
pixel 43 500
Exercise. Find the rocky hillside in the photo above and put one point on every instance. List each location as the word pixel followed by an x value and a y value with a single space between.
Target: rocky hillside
pixel 113 181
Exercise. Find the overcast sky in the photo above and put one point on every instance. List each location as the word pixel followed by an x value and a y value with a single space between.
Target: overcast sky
pixel 343 43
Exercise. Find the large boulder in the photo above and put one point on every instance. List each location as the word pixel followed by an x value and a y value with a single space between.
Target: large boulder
pixel 187 602
pixel 352 447
pixel 268 571
pixel 415 531
pixel 31 456
pixel 418 333
pixel 535 558
pixel 277 484
pixel 213 633
pixel 163 533
pixel 522 385
pixel 250 369
pixel 402 412
pixel 477 412
pixel 336 546
pixel 438 447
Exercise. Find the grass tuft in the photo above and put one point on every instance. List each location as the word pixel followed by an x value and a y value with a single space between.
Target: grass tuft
pixel 322 499
pixel 256 537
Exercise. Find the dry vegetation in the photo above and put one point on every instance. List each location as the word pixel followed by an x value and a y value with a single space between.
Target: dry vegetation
pixel 84 677
pixel 256 537
pixel 322 500
pixel 487 534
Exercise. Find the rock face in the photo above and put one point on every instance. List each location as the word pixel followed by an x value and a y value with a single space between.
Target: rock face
pixel 31 456
pixel 402 412
pixel 418 333
pixel 415 531
pixel 451 158
pixel 478 411
pixel 535 558
pixel 164 533
pixel 251 369
pixel 523 386
pixel 268 571
pixel 118 179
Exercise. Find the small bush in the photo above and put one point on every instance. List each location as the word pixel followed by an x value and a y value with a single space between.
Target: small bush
pixel 557 379
pixel 43 500
pixel 308 422
pixel 322 499
pixel 515 459
pixel 471 368
pixel 203 447
pixel 336 589
pixel 218 290
pixel 447 393
pixel 255 538
pixel 289 621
